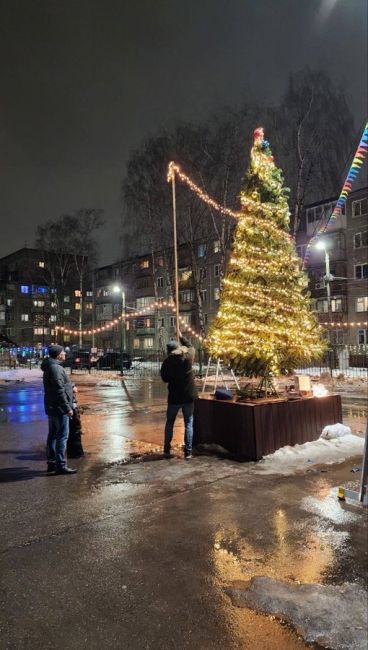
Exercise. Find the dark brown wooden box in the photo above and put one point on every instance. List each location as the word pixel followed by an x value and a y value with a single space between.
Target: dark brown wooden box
pixel 252 430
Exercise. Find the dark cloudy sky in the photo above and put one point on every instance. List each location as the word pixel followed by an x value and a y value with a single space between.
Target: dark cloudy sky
pixel 84 81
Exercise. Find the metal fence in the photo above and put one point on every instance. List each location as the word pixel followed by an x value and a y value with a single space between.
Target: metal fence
pixel 350 361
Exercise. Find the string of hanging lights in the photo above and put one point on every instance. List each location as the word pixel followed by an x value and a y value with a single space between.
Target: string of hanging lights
pixel 142 312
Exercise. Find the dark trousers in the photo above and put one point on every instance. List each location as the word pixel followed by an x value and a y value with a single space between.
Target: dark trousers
pixel 56 440
pixel 74 447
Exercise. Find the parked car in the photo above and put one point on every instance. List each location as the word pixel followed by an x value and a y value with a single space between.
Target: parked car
pixel 111 361
pixel 80 360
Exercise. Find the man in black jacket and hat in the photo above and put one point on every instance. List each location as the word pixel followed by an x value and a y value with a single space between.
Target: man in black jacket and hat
pixel 177 372
pixel 59 409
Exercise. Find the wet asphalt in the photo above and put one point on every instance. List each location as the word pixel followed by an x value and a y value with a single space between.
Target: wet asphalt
pixel 136 551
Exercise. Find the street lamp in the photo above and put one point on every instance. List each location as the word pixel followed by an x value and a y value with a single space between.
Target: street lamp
pixel 118 289
pixel 321 245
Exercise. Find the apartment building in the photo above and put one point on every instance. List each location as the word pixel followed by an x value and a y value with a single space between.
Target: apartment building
pixel 146 283
pixel 345 251
pixel 33 301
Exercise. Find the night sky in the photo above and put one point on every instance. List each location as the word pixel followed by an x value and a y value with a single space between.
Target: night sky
pixel 84 81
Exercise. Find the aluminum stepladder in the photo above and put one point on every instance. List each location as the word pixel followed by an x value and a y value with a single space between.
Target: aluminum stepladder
pixel 218 372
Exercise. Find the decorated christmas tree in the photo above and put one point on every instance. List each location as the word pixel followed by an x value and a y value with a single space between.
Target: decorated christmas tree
pixel 264 325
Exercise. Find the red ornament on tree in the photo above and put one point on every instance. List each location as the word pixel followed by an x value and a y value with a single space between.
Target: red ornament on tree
pixel 258 135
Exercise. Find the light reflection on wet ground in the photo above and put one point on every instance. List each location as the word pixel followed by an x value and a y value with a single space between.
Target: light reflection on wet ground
pixel 298 534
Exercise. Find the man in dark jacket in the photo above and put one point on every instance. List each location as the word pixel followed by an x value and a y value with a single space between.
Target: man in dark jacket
pixel 177 372
pixel 59 408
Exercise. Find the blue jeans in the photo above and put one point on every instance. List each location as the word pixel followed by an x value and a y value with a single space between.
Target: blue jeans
pixel 172 411
pixel 57 439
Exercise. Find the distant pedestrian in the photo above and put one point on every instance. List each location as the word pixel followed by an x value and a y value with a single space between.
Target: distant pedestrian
pixel 74 447
pixel 177 372
pixel 59 408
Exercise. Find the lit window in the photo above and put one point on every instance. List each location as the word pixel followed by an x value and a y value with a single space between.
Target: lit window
pixel 216 246
pixel 160 283
pixel 77 293
pixel 88 305
pixel 336 304
pixel 24 288
pixel 40 330
pixel 53 318
pixel 39 303
pixel 148 343
pixel 66 312
pixel 24 317
pixel 361 304
pixel 322 306
pixel 144 264
pixel 41 264
pixel 362 337
pixel 77 305
pixel 216 293
pixel 9 302
pixel 185 318
pixel 89 294
pixel 185 274
pixel 66 338
pixel 66 298
pixel 136 344
pixel 53 305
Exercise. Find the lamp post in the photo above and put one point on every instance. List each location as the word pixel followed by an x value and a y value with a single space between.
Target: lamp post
pixel 321 245
pixel 118 289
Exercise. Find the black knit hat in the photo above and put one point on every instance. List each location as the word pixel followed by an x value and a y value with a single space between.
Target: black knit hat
pixel 172 345
pixel 54 350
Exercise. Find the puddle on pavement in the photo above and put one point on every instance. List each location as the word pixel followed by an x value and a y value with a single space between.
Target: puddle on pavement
pixel 309 548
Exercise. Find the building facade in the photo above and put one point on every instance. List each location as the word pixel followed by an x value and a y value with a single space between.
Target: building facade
pixel 345 251
pixel 33 302
pixel 146 284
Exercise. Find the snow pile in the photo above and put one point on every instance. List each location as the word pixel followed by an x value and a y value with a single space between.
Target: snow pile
pixel 335 431
pixel 290 460
pixel 332 616
pixel 21 374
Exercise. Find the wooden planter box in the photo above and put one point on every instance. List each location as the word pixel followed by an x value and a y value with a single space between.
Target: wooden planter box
pixel 252 430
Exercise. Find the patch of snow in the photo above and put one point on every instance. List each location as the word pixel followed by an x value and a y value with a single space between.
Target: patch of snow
pixel 336 372
pixel 330 509
pixel 21 374
pixel 335 431
pixel 290 460
pixel 335 617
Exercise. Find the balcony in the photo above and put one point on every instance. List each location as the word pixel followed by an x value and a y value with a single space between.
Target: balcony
pixel 144 331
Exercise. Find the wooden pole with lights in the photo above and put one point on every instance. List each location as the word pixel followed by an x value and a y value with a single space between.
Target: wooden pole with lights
pixel 175 257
